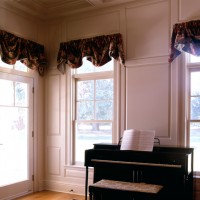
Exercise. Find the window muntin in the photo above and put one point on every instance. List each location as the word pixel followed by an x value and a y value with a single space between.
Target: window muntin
pixel 94 107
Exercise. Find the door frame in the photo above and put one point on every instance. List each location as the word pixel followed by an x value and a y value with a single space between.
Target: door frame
pixel 24 187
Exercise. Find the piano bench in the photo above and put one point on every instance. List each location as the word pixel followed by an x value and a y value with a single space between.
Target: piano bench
pixel 120 190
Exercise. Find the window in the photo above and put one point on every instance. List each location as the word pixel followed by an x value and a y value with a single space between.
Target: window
pixel 16 141
pixel 194 59
pixel 194 107
pixel 93 107
pixel 17 66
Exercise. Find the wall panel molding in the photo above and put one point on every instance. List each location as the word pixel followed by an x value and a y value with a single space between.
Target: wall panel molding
pixel 147 111
pixel 53 161
pixel 145 61
pixel 188 10
pixel 53 105
pixel 90 25
pixel 141 30
pixel 64 186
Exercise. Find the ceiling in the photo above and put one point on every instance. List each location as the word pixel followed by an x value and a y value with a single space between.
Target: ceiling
pixel 48 9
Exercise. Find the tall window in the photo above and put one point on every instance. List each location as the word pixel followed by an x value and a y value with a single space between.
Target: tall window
pixel 16 141
pixel 194 108
pixel 93 109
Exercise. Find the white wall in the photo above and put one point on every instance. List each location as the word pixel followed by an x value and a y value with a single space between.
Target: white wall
pixel 152 84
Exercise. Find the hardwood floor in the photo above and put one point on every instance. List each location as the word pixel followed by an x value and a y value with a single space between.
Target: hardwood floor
pixel 51 195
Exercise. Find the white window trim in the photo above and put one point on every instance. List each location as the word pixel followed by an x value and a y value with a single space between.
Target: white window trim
pixel 117 124
pixel 189 67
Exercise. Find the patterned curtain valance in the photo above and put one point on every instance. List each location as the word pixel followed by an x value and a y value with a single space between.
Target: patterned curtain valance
pixel 185 37
pixel 13 48
pixel 98 50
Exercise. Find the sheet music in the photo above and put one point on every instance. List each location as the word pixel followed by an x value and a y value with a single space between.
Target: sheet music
pixel 139 140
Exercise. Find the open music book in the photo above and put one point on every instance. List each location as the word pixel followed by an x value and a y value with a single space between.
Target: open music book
pixel 139 140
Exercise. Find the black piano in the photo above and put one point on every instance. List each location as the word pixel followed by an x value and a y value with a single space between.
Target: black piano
pixel 171 167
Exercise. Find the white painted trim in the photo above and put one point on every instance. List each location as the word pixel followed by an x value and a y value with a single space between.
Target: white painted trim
pixel 157 60
pixel 62 186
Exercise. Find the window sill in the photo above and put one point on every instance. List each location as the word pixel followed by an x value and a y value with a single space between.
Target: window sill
pixel 77 171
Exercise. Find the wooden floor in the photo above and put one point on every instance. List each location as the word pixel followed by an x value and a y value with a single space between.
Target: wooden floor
pixel 50 195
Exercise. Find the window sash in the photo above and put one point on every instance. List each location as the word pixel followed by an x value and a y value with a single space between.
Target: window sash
pixel 95 76
pixel 193 136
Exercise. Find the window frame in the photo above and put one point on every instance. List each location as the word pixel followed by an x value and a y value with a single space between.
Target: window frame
pixel 70 98
pixel 28 77
pixel 190 67
pixel 84 77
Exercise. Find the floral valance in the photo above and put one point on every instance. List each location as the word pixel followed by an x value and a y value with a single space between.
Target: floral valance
pixel 13 48
pixel 185 37
pixel 98 50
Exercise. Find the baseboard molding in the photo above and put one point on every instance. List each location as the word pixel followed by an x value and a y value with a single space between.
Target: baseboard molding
pixel 64 187
pixel 40 186
pixel 59 186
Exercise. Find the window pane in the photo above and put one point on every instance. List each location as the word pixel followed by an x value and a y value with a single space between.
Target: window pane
pixel 195 83
pixel 195 115
pixel 7 92
pixel 85 90
pixel 107 67
pixel 104 89
pixel 88 67
pixel 195 142
pixel 195 108
pixel 94 107
pixel 21 93
pixel 3 64
pixel 13 137
pixel 104 110
pixel 194 59
pixel 89 133
pixel 21 67
pixel 85 110
pixel 17 66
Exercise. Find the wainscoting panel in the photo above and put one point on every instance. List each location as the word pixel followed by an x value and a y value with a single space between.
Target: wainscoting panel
pixel 187 10
pixel 151 95
pixel 147 30
pixel 106 23
pixel 53 105
pixel 53 160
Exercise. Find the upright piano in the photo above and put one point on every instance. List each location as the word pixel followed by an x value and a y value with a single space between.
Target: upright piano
pixel 171 167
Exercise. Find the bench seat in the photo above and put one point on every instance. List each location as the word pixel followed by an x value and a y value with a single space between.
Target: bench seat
pixel 116 190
